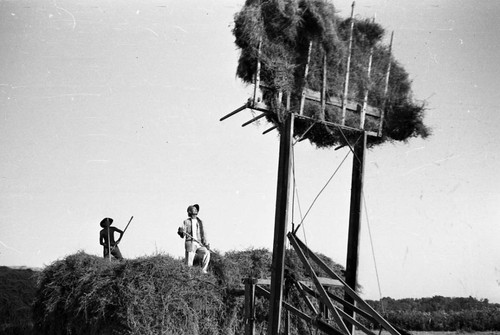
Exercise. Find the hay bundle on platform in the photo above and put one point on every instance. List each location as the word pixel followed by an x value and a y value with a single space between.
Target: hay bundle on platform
pixel 85 294
pixel 278 33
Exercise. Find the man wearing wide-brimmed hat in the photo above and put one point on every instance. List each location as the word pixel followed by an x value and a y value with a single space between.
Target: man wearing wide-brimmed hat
pixel 196 244
pixel 107 238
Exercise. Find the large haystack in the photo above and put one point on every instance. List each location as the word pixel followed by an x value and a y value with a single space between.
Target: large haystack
pixel 285 29
pixel 84 294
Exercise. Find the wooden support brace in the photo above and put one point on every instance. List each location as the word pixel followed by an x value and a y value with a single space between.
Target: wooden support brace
pixel 324 296
pixel 254 119
pixel 359 311
pixel 269 130
pixel 322 325
pixel 361 303
pixel 237 110
pixel 309 304
pixel 356 323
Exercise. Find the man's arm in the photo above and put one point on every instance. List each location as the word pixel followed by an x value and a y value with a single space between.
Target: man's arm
pixel 204 239
pixel 182 230
pixel 119 231
pixel 102 239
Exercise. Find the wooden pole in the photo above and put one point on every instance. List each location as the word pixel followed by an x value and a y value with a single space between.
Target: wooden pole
pixel 306 71
pixel 257 95
pixel 365 100
pixel 386 88
pixel 348 68
pixel 280 225
pixel 351 272
pixel 250 306
pixel 323 88
pixel 288 323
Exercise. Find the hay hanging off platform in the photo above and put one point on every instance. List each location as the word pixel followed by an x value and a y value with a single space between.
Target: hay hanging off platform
pixel 286 36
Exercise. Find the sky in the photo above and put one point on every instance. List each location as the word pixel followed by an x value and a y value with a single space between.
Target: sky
pixel 111 109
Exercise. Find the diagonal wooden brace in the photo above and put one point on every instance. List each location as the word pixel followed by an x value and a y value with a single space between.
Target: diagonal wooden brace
pixel 361 303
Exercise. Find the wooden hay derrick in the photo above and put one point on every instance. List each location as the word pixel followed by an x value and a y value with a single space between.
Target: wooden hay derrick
pixel 328 80
pixel 333 73
pixel 313 107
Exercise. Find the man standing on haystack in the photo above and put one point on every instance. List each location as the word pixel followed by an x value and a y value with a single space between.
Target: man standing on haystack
pixel 107 238
pixel 196 244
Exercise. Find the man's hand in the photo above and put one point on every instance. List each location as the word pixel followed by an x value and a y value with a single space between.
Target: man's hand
pixel 180 232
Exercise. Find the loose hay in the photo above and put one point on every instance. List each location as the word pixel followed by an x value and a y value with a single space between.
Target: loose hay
pixel 85 294
pixel 284 30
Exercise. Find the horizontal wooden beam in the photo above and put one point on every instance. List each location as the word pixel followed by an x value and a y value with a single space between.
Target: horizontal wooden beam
pixel 254 119
pixel 237 110
pixel 351 106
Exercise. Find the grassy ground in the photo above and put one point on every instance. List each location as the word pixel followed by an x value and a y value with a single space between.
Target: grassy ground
pixel 446 333
pixel 17 291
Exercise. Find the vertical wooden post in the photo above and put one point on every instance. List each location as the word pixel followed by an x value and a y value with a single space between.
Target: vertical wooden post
pixel 365 100
pixel 351 272
pixel 257 94
pixel 348 68
pixel 280 225
pixel 323 88
pixel 250 306
pixel 306 71
pixel 324 308
pixel 286 330
pixel 386 88
pixel 287 323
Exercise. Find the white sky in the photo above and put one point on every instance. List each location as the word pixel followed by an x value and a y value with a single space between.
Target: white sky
pixel 110 109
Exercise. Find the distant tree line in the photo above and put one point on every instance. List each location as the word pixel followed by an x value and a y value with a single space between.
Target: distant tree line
pixel 440 313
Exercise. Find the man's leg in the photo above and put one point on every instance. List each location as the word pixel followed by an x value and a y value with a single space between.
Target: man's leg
pixel 117 253
pixel 190 257
pixel 204 256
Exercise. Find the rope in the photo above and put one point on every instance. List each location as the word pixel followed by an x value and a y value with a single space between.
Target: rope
pixel 345 138
pixel 324 187
pixel 321 191
pixel 304 134
pixel 295 191
pixel 373 252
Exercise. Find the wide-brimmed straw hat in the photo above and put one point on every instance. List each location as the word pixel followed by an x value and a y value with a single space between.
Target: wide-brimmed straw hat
pixel 106 222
